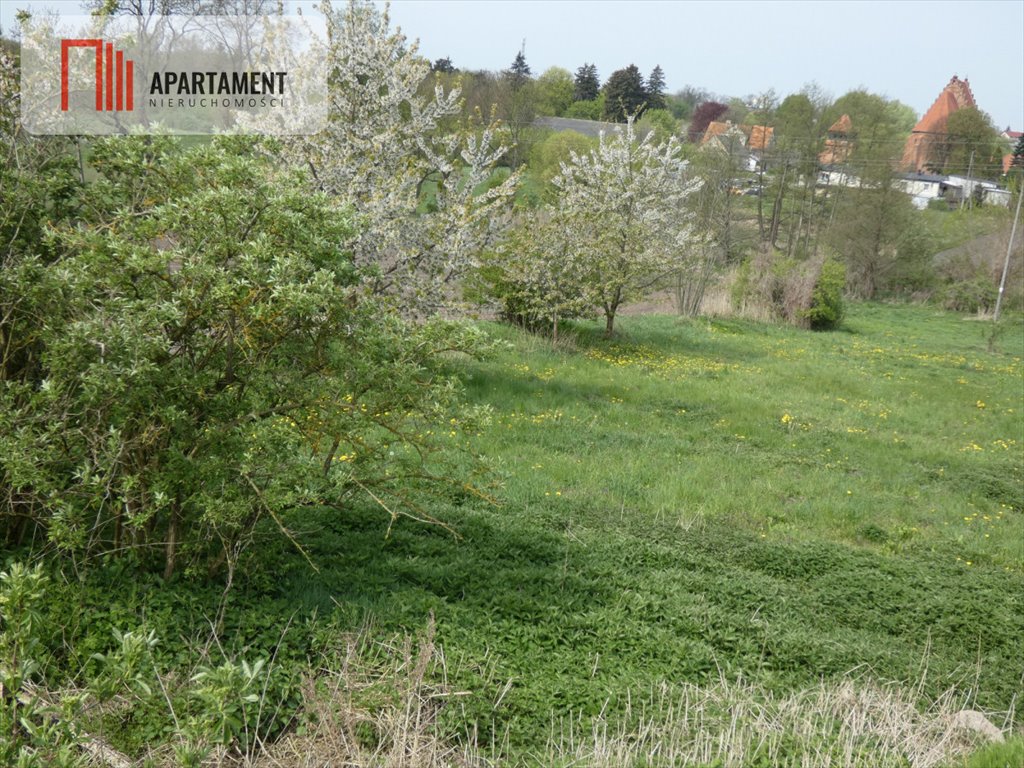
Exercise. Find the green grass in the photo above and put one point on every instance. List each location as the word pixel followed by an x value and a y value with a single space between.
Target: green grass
pixel 948 229
pixel 691 501
pixel 696 499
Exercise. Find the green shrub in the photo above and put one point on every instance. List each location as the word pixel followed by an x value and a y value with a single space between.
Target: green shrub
pixel 826 310
pixel 586 110
pixel 976 295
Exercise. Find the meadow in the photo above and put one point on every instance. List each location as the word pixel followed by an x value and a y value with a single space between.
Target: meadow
pixel 699 503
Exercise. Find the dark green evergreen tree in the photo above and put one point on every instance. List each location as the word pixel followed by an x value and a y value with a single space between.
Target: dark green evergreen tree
pixel 519 73
pixel 587 85
pixel 656 89
pixel 625 94
pixel 443 65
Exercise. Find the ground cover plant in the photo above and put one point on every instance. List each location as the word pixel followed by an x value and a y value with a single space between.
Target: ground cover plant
pixel 693 503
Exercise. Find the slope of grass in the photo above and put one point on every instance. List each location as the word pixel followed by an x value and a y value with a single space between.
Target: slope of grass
pixel 690 502
pixel 696 499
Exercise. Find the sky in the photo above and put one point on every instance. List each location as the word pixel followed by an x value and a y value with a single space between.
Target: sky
pixel 906 50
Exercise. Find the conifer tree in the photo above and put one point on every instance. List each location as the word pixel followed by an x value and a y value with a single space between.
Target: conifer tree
pixel 656 89
pixel 587 85
pixel 519 72
pixel 625 94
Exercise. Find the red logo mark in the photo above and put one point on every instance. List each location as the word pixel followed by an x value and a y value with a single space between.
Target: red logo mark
pixel 117 74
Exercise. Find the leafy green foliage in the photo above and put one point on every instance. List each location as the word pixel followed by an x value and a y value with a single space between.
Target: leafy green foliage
pixel 998 755
pixel 660 122
pixel 30 735
pixel 547 156
pixel 554 90
pixel 826 310
pixel 971 144
pixel 210 359
pixel 587 110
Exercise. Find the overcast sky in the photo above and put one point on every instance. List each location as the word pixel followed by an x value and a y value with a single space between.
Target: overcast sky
pixel 903 50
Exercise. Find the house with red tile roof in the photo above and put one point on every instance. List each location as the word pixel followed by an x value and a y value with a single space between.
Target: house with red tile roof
pixel 838 142
pixel 723 133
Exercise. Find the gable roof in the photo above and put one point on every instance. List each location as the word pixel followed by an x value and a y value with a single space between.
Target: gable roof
pixel 714 129
pixel 955 96
pixel 919 147
pixel 842 125
pixel 761 136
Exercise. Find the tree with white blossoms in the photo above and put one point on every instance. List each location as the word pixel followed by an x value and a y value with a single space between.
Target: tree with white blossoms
pixel 534 276
pixel 622 206
pixel 386 146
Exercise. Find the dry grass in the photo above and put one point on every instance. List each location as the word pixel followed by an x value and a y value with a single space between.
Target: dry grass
pixel 380 709
pixel 841 725
pixel 373 705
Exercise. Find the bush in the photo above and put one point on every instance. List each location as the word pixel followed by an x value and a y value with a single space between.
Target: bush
pixel 804 293
pixel 547 156
pixel 210 359
pixel 826 308
pixel 976 295
pixel 586 110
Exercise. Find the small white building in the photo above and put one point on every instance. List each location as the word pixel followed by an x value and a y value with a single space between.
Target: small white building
pixel 922 187
pixel 837 176
pixel 966 187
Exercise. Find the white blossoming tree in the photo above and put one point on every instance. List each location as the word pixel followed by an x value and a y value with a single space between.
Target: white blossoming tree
pixel 622 206
pixel 387 148
pixel 534 275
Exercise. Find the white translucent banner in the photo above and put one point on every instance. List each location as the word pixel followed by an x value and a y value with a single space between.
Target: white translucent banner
pixel 82 75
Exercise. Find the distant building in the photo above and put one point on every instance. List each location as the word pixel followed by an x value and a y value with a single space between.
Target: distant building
pixel 838 143
pixel 723 135
pixel 759 139
pixel 1013 137
pixel 921 150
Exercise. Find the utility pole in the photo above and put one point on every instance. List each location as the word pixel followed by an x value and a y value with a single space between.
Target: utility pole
pixel 970 169
pixel 1009 250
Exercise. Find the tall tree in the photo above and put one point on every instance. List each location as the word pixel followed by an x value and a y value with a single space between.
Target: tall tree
pixel 656 89
pixel 703 116
pixel 877 233
pixel 586 84
pixel 554 91
pixel 625 94
pixel 519 72
pixel 881 126
pixel 382 143
pixel 972 144
pixel 622 210
pixel 517 107
pixel 443 65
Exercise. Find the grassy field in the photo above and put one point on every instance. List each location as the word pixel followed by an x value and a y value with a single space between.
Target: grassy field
pixel 693 503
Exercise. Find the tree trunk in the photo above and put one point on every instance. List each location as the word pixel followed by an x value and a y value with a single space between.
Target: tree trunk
pixel 173 532
pixel 609 323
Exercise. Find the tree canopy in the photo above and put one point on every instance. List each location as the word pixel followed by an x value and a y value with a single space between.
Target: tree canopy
pixel 703 116
pixel 656 89
pixel 625 94
pixel 586 84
